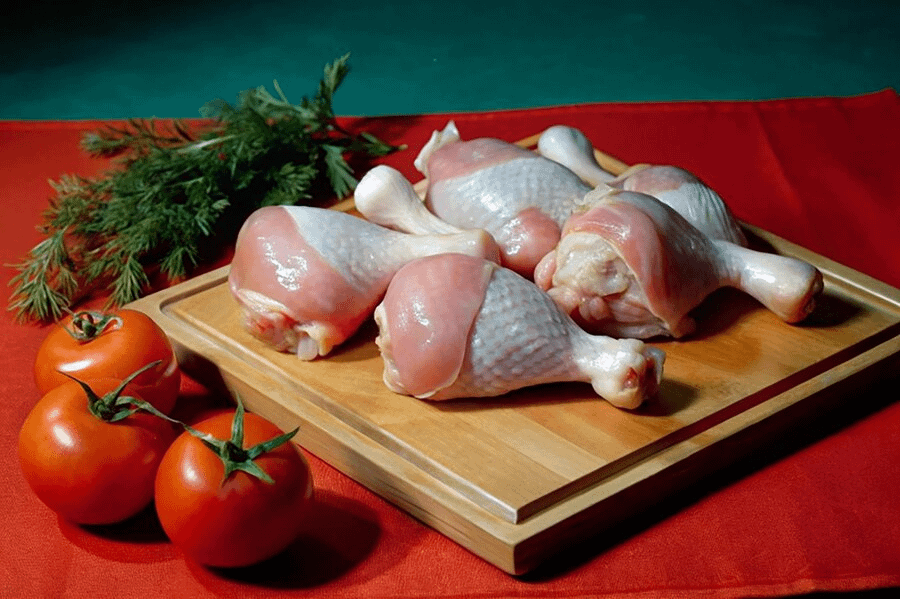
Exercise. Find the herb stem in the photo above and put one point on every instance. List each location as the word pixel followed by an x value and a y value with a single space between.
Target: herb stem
pixel 179 196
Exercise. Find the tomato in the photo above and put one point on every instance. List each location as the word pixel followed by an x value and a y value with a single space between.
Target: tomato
pixel 85 346
pixel 233 519
pixel 87 469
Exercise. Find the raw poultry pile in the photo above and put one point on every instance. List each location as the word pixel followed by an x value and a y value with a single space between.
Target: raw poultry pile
pixel 519 268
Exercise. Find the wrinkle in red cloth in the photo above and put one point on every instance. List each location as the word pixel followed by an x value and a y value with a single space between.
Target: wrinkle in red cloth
pixel 816 512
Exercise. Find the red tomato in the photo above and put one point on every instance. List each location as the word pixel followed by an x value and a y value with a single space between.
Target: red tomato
pixel 84 468
pixel 126 343
pixel 240 519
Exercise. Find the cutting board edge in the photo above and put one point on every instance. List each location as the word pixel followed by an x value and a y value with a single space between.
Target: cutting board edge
pixel 737 439
pixel 514 548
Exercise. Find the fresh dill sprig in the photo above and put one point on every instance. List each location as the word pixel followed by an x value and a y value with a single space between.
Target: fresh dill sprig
pixel 178 196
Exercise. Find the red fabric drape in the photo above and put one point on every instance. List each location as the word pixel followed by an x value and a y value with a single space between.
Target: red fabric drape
pixel 816 512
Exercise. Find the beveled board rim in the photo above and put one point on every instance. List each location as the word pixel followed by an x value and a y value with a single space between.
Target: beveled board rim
pixel 509 543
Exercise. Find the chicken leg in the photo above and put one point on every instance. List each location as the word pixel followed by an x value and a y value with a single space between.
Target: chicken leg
pixel 456 326
pixel 518 196
pixel 678 188
pixel 633 266
pixel 306 278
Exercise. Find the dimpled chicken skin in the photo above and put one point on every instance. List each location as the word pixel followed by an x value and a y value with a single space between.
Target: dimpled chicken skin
pixel 681 190
pixel 458 326
pixel 306 278
pixel 632 266
pixel 519 197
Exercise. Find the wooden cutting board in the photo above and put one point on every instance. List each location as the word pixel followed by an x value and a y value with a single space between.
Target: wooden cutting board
pixel 515 479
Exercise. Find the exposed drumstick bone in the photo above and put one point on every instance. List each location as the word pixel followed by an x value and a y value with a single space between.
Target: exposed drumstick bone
pixel 605 162
pixel 385 197
pixel 572 148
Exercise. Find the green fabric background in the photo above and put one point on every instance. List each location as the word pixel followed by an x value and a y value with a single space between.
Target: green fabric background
pixel 106 59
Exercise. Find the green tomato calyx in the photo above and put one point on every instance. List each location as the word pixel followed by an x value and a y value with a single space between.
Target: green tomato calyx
pixel 232 452
pixel 114 406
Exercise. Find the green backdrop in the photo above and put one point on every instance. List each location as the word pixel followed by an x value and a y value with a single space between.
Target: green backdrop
pixel 105 59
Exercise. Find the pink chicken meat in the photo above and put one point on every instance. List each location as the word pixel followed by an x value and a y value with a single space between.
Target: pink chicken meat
pixel 679 189
pixel 307 278
pixel 519 197
pixel 687 195
pixel 633 266
pixel 523 199
pixel 459 326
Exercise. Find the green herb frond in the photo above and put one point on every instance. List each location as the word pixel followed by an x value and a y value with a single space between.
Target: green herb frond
pixel 135 136
pixel 178 192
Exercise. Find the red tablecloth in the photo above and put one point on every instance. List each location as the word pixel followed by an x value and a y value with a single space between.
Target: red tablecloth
pixel 819 511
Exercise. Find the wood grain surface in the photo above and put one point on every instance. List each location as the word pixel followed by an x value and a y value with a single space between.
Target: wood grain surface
pixel 516 478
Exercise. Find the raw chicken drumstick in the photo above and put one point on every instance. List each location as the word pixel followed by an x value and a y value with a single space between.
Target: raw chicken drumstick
pixel 458 326
pixel 678 188
pixel 687 195
pixel 306 278
pixel 632 266
pixel 518 196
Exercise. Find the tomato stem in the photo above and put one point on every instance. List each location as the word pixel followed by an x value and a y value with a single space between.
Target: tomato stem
pixel 112 406
pixel 233 454
pixel 87 325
